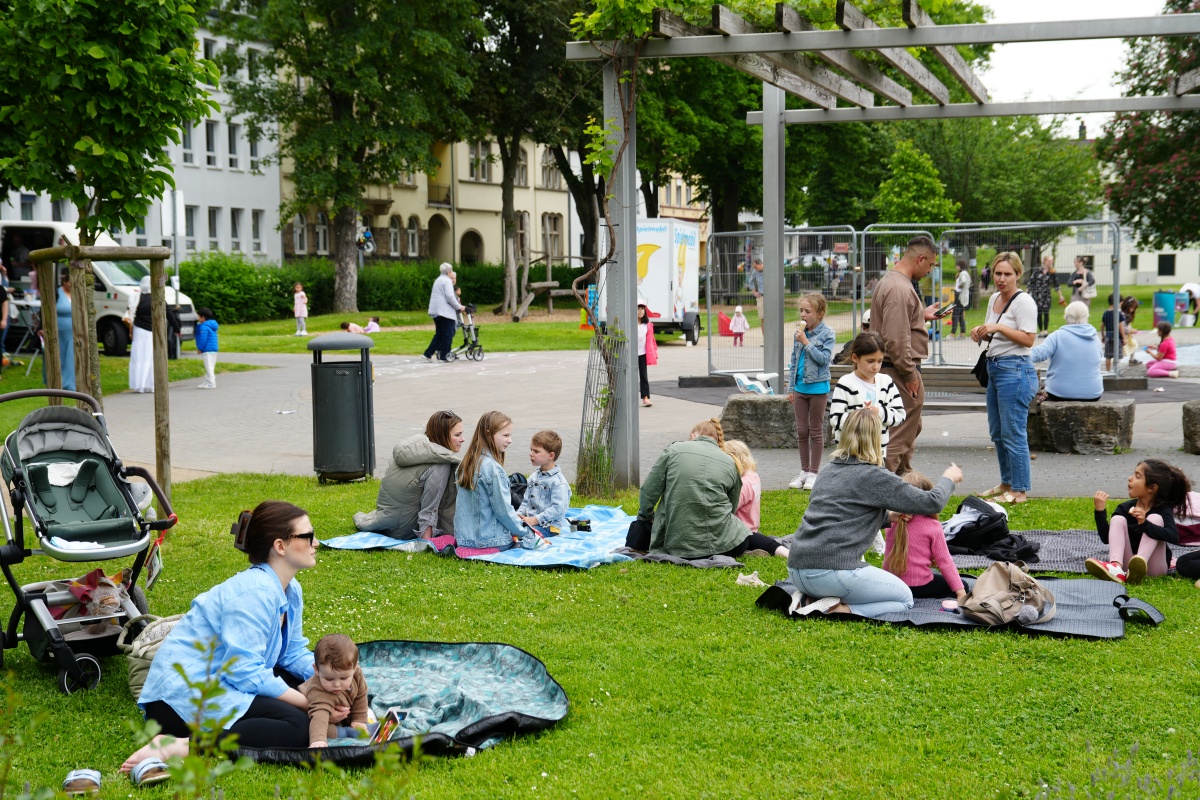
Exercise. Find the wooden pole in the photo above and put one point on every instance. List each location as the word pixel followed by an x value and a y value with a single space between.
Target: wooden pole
pixel 162 400
pixel 83 325
pixel 50 355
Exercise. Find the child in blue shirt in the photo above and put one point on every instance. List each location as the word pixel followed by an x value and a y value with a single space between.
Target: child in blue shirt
pixel 1112 345
pixel 206 345
pixel 548 495
pixel 808 385
pixel 483 515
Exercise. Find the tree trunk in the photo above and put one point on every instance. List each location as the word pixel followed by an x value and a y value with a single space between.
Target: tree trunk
pixel 50 334
pixel 83 319
pixel 725 208
pixel 650 196
pixel 345 259
pixel 513 293
pixel 586 189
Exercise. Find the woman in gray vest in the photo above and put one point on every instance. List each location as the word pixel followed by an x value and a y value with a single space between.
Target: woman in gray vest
pixel 417 493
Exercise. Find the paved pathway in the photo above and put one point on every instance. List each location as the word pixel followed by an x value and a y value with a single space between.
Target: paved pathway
pixel 261 421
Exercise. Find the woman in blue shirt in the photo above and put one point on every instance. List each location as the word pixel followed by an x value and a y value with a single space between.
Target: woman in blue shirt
pixel 254 619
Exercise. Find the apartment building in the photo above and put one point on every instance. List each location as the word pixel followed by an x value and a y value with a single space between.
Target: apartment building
pixel 455 214
pixel 230 197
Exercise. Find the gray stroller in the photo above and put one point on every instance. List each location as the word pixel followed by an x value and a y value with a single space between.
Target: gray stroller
pixel 63 474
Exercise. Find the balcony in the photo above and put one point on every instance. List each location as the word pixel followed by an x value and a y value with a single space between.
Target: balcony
pixel 439 195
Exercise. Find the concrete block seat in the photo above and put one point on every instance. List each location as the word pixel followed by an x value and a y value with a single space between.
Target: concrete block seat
pixel 760 420
pixel 1097 428
pixel 1191 427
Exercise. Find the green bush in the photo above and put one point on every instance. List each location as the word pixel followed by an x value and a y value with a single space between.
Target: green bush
pixel 238 289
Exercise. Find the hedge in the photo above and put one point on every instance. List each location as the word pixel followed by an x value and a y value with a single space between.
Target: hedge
pixel 240 290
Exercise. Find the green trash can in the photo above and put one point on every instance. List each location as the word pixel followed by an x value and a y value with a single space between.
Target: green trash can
pixel 343 409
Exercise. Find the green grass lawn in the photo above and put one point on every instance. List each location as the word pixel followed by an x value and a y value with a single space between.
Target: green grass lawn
pixel 498 337
pixel 114 378
pixel 680 687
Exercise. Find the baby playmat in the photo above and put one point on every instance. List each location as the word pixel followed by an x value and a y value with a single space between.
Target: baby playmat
pixel 581 549
pixel 1086 608
pixel 455 697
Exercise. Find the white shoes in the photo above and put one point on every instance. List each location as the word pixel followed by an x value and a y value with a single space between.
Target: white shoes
pixel 798 483
pixel 810 481
pixel 207 386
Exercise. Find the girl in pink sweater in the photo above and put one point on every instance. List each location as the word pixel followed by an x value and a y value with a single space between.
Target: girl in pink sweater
pixel 749 509
pixel 914 544
pixel 1163 363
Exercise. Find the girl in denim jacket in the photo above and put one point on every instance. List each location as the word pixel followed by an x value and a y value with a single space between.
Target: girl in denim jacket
pixel 484 516
pixel 808 385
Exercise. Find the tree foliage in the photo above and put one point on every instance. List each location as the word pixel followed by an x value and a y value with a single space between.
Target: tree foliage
pixel 913 191
pixel 1013 169
pixel 91 94
pixel 1152 157
pixel 353 93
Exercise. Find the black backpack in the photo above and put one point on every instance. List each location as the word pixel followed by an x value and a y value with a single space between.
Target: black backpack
pixel 517 484
pixel 976 537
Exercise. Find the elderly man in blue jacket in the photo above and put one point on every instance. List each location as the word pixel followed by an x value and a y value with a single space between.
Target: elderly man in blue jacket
pixel 444 308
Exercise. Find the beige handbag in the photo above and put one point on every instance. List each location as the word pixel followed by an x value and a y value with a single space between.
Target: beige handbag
pixel 140 652
pixel 1004 593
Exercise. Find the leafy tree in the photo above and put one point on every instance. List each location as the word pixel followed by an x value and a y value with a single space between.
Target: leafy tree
pixel 1010 170
pixel 1152 157
pixel 913 191
pixel 353 93
pixel 840 168
pixel 517 94
pixel 91 94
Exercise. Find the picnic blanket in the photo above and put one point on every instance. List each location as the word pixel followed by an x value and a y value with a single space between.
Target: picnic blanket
pixel 1085 608
pixel 457 697
pixel 581 549
pixel 1061 551
pixel 719 561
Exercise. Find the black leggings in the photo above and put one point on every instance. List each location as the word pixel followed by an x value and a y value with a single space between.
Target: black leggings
pixel 938 587
pixel 755 541
pixel 1188 565
pixel 1043 319
pixel 643 378
pixel 269 722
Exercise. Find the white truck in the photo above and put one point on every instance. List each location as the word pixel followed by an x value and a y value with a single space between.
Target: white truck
pixel 116 281
pixel 668 276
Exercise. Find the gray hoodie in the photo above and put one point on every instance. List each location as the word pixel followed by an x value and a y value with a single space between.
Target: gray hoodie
pixel 1075 353
pixel 416 492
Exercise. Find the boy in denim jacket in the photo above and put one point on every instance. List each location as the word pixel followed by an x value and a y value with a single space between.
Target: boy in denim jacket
pixel 548 495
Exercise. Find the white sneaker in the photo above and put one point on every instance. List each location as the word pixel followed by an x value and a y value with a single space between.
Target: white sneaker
pixel 798 483
pixel 810 481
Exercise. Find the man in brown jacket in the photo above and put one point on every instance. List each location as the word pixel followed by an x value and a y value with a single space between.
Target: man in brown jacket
pixel 898 314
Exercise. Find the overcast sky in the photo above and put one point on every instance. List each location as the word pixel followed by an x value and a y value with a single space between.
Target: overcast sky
pixel 1060 70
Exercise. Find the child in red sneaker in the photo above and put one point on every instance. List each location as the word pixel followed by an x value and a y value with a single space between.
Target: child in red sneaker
pixel 1141 528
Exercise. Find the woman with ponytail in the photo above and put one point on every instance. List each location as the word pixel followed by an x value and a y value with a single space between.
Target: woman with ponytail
pixel 696 486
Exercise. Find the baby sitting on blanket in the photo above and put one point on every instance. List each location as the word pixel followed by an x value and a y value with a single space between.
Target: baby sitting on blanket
pixel 548 495
pixel 337 681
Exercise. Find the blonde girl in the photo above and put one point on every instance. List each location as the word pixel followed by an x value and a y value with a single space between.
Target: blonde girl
pixel 849 503
pixel 807 380
pixel 484 517
pixel 866 387
pixel 750 501
pixel 1140 529
pixel 300 309
pixel 914 544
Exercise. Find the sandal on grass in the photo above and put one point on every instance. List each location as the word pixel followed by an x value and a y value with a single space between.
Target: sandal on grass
pixel 149 771
pixel 1009 499
pixel 81 783
pixel 995 491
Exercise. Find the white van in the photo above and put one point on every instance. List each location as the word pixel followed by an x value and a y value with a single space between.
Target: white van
pixel 116 281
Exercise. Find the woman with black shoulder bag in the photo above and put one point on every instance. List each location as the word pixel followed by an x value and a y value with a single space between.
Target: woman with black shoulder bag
pixel 1010 330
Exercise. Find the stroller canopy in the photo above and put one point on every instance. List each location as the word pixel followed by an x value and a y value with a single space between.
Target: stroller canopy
pixel 56 428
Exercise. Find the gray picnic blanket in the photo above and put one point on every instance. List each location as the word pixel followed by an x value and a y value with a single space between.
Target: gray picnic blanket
pixel 1084 607
pixel 1061 551
pixel 698 563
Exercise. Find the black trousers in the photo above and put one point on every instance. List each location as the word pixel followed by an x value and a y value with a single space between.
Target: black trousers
pixel 755 541
pixel 443 338
pixel 938 587
pixel 1043 318
pixel 643 378
pixel 1188 565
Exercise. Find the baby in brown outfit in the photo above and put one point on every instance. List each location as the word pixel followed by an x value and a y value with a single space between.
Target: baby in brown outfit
pixel 336 681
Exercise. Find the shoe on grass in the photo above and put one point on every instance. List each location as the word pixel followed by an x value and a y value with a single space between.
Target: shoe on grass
pixel 810 481
pixel 798 482
pixel 1105 570
pixel 81 783
pixel 1137 570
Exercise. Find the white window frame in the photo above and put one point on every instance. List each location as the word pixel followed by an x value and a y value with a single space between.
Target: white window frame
pixel 480 163
pixel 300 235
pixel 551 177
pixel 414 240
pixel 522 178
pixel 394 236
pixel 214 228
pixel 233 136
pixel 256 222
pixel 211 136
pixel 189 154
pixel 321 231
pixel 189 227
pixel 235 229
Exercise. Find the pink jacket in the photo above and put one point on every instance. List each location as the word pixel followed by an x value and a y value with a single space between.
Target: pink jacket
pixel 750 501
pixel 739 323
pixel 926 546
pixel 651 345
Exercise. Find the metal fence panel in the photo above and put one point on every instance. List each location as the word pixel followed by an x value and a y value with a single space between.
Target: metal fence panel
pixel 816 260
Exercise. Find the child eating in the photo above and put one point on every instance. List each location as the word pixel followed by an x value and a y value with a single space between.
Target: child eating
pixel 337 681
pixel 548 495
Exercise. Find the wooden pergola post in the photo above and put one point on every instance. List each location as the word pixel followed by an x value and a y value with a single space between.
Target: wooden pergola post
pixel 80 259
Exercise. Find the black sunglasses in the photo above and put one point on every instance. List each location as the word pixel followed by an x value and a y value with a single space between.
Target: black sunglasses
pixel 311 536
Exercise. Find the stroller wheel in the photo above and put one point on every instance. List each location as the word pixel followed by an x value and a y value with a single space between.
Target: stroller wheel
pixel 91 675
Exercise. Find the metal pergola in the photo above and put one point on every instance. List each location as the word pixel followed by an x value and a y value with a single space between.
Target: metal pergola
pixel 819 67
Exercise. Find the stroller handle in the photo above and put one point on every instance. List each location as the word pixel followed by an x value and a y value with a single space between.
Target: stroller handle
pixel 169 519
pixel 87 398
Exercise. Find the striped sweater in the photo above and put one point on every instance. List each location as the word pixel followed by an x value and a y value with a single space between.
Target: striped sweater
pixel 848 394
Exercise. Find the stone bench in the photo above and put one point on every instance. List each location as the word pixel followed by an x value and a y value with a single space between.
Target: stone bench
pixel 760 421
pixel 1191 427
pixel 1097 428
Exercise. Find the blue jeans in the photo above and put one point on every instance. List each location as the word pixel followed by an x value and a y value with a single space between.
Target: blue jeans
pixel 1012 383
pixel 869 591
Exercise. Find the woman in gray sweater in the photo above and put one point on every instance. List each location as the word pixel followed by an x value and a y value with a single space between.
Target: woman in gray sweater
pixel 850 501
